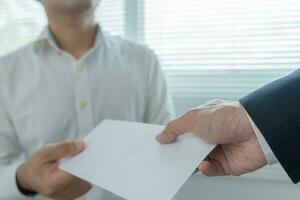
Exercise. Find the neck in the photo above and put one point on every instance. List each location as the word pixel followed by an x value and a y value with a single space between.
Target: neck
pixel 74 34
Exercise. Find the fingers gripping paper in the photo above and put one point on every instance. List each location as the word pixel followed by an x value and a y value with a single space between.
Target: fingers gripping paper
pixel 124 158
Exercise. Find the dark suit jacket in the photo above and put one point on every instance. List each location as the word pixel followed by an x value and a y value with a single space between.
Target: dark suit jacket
pixel 275 109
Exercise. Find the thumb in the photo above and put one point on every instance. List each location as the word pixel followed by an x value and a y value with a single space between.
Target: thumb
pixel 213 165
pixel 55 152
pixel 211 168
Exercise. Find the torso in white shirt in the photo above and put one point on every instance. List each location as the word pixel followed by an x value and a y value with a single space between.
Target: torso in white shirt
pixel 50 96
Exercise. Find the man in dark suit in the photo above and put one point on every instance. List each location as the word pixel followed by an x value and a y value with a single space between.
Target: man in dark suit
pixel 262 128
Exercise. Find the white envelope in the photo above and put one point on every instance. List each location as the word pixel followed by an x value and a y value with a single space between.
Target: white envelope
pixel 124 158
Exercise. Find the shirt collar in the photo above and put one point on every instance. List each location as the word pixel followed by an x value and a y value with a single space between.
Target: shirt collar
pixel 47 36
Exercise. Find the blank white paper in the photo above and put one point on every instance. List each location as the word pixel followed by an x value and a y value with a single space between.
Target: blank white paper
pixel 124 158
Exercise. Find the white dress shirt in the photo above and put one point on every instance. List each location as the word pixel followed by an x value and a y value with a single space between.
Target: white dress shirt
pixel 271 158
pixel 46 96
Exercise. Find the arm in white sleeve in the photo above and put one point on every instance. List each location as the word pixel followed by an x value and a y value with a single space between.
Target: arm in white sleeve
pixel 160 108
pixel 11 155
pixel 271 158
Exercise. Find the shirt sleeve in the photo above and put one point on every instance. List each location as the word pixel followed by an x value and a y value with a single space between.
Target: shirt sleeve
pixel 160 108
pixel 10 155
pixel 271 158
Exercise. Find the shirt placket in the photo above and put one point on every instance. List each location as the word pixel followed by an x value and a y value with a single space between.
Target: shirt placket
pixel 83 99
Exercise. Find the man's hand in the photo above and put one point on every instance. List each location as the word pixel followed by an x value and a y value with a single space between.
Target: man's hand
pixel 225 124
pixel 40 173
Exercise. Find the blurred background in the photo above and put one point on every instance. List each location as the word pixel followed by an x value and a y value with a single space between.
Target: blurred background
pixel 208 49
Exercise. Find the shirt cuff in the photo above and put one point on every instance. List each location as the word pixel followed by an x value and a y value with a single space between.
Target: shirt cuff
pixel 271 158
pixel 9 185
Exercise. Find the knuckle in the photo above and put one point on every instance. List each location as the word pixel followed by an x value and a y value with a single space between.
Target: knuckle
pixel 215 102
pixel 169 126
pixel 190 116
pixel 191 113
pixel 192 110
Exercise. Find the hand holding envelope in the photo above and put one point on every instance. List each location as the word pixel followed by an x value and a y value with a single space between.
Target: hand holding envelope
pixel 224 123
pixel 40 174
pixel 124 158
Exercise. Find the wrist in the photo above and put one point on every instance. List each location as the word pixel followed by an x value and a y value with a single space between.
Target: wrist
pixel 21 180
pixel 246 124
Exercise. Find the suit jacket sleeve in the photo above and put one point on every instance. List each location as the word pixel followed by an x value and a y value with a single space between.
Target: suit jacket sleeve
pixel 275 109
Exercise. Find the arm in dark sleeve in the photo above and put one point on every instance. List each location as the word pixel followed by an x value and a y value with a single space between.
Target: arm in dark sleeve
pixel 275 109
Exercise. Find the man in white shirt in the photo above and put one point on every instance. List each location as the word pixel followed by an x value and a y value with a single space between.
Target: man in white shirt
pixel 59 88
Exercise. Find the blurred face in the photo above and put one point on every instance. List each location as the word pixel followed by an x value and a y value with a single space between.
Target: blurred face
pixel 70 5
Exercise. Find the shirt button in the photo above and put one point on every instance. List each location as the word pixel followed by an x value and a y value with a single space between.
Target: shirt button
pixel 80 67
pixel 84 104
